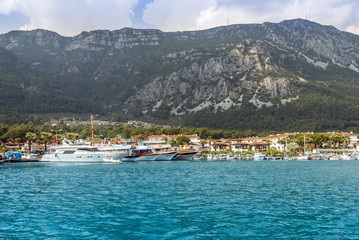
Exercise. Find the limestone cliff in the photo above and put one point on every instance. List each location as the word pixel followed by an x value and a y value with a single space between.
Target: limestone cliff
pixel 296 67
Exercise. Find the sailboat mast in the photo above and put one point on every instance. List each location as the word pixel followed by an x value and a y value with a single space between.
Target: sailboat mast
pixel 92 141
pixel 304 145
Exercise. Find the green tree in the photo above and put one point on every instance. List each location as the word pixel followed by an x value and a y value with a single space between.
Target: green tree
pixel 73 136
pixel 269 144
pixel 335 138
pixel 319 140
pixel 182 140
pixel 3 148
pixel 293 147
pixel 346 140
pixel 45 136
pixel 174 143
pixel 140 137
pixel 30 137
pixel 215 144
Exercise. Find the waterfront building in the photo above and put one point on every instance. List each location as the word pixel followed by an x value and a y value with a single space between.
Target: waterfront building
pixel 255 144
pixel 163 141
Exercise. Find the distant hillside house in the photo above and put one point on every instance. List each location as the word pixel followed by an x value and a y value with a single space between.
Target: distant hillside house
pixel 255 144
pixel 163 141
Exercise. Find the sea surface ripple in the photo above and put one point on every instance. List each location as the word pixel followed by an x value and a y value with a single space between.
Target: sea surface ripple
pixel 180 200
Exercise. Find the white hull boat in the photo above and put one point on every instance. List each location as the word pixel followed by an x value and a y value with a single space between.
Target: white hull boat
pixel 184 156
pixel 165 156
pixel 303 157
pixel 259 157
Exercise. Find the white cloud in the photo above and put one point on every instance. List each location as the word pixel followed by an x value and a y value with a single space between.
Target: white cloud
pixel 6 6
pixel 169 15
pixel 353 29
pixel 72 17
pixel 174 15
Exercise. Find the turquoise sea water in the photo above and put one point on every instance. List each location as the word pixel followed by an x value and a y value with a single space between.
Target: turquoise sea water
pixel 180 200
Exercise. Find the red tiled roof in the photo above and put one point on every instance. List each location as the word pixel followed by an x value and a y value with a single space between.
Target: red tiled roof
pixel 172 136
pixel 251 138
pixel 279 135
pixel 222 144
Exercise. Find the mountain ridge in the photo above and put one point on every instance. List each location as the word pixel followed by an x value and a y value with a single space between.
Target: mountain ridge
pixel 236 76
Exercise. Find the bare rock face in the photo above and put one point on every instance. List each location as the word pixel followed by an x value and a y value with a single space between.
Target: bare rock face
pixel 215 69
pixel 217 79
pixel 102 40
pixel 276 87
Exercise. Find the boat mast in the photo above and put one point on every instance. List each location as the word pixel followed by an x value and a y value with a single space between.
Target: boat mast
pixel 304 145
pixel 92 141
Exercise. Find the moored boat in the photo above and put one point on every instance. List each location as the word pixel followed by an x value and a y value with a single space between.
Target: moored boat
pixel 80 154
pixel 68 152
pixel 165 156
pixel 184 156
pixel 303 157
pixel 345 157
pixel 259 157
pixel 142 153
pixel 334 157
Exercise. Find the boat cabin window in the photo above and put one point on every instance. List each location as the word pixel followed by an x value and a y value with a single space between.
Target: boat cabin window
pixel 142 152
pixel 68 152
pixel 89 149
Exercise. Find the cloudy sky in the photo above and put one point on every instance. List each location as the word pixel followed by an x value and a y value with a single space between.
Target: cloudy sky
pixel 71 17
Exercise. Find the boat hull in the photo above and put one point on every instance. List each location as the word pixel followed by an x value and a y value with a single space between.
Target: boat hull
pixel 302 157
pixel 86 158
pixel 184 156
pixel 166 156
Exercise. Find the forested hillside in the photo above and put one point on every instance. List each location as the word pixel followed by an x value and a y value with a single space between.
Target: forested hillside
pixel 295 75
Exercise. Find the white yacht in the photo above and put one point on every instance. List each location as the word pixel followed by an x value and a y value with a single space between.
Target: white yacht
pixel 85 153
pixel 75 154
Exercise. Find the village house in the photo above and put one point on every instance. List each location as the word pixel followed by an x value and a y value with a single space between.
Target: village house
pixel 277 141
pixel 163 141
pixel 218 145
pixel 255 144
pixel 353 140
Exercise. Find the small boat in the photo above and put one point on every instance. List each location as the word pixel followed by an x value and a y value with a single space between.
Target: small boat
pixel 141 153
pixel 209 157
pixel 345 157
pixel 13 156
pixel 198 158
pixel 316 157
pixel 259 157
pixel 303 157
pixel 230 158
pixel 334 157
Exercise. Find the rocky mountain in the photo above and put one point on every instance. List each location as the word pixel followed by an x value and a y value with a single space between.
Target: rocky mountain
pixel 23 90
pixel 293 75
